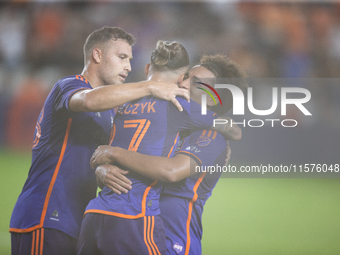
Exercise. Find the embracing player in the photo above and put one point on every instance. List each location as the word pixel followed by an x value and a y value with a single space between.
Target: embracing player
pixel 130 223
pixel 74 120
pixel 182 201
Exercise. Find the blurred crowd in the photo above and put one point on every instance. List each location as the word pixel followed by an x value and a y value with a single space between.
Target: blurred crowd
pixel 42 42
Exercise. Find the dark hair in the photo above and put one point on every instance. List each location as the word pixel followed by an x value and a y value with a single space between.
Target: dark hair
pixel 169 56
pixel 104 35
pixel 225 68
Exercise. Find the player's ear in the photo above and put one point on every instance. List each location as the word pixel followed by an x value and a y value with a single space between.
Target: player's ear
pixel 97 55
pixel 147 67
pixel 180 79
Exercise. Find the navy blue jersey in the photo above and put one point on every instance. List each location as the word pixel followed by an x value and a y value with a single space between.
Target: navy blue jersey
pixel 149 126
pixel 182 203
pixel 61 182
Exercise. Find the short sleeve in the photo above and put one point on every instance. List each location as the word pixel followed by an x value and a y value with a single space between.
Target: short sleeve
pixel 206 147
pixel 65 89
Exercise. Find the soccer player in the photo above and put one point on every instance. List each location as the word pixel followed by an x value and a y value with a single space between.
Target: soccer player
pixel 130 223
pixel 77 116
pixel 182 202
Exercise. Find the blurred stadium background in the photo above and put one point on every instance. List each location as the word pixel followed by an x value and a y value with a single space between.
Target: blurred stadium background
pixel 41 41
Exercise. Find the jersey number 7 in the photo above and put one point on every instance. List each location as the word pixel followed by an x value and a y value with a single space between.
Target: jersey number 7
pixel 142 126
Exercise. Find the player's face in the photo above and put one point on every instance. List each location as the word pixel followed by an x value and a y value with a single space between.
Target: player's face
pixel 193 77
pixel 115 64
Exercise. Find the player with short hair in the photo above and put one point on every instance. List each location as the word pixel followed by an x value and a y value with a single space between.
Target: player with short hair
pixel 130 223
pixel 182 202
pixel 77 116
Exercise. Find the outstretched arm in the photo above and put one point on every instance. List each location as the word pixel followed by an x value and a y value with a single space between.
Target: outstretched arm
pixel 107 97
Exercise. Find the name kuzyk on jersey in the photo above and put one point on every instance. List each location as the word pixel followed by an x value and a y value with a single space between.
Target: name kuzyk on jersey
pixel 147 107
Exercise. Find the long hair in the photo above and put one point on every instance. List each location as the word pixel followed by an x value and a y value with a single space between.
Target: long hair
pixel 169 56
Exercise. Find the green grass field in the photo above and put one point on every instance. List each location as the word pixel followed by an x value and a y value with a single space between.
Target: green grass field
pixel 244 216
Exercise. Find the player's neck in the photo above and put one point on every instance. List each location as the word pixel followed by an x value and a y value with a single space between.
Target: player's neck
pixel 91 76
pixel 160 76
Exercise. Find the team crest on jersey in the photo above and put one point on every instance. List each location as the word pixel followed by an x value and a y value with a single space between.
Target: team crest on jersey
pixel 177 247
pixel 203 141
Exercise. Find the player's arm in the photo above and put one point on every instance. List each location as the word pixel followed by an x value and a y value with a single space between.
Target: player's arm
pixel 229 132
pixel 110 96
pixel 154 167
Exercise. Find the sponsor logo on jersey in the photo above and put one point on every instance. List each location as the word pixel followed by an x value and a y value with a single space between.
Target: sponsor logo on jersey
pixel 55 215
pixel 192 148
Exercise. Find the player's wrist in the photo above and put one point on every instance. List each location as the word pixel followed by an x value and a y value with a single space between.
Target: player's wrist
pixel 101 173
pixel 116 153
pixel 151 87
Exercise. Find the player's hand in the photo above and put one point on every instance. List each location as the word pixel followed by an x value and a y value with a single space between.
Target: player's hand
pixel 228 154
pixel 169 91
pixel 114 178
pixel 102 155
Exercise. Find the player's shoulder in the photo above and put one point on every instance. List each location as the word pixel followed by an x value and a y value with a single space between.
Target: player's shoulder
pixel 204 138
pixel 73 80
pixel 183 102
pixel 182 99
